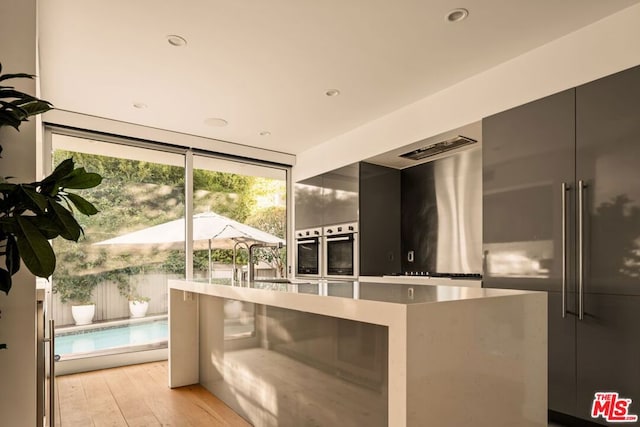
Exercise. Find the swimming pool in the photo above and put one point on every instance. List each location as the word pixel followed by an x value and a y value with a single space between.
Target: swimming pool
pixel 111 337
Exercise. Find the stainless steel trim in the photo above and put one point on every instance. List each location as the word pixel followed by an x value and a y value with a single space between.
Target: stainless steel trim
pixel 565 188
pixel 338 238
pixel 307 241
pixel 51 416
pixel 581 187
pixel 325 258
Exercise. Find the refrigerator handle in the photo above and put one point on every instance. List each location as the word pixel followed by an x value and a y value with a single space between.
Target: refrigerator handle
pixel 565 188
pixel 581 191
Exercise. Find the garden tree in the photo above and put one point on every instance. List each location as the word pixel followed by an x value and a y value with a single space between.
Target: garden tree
pixel 273 220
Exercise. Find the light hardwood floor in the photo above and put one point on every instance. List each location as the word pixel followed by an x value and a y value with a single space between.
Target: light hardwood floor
pixel 137 396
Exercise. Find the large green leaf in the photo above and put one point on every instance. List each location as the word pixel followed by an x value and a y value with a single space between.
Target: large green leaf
pixel 82 205
pixel 5 281
pixel 12 93
pixel 47 227
pixel 62 170
pixel 15 76
pixel 35 250
pixel 10 118
pixel 69 227
pixel 80 179
pixel 12 260
pixel 36 107
pixel 8 224
pixel 35 200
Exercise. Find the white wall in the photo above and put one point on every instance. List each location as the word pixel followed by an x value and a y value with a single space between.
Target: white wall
pixel 17 326
pixel 607 46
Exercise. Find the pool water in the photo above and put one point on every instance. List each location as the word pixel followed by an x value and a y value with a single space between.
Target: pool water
pixel 93 340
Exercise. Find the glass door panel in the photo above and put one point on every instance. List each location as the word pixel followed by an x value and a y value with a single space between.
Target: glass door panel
pixel 118 271
pixel 238 206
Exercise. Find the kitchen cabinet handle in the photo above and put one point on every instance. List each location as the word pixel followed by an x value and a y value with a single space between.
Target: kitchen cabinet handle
pixel 581 191
pixel 565 188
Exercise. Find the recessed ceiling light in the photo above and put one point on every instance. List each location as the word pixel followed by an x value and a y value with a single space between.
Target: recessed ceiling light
pixel 216 122
pixel 176 41
pixel 265 133
pixel 457 15
pixel 332 92
pixel 140 105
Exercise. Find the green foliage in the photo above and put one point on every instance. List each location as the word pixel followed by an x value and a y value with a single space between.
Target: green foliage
pixel 273 220
pixel 16 106
pixel 33 213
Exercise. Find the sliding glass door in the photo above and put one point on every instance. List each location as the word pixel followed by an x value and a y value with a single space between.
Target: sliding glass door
pixel 110 288
pixel 116 275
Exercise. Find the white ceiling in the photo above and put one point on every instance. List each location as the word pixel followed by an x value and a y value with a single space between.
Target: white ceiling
pixel 265 65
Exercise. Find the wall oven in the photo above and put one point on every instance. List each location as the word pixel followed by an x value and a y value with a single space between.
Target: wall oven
pixel 341 251
pixel 309 252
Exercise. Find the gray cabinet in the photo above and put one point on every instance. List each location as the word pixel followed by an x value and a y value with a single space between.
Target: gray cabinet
pixel 528 153
pixel 309 204
pixel 561 200
pixel 330 198
pixel 379 220
pixel 363 192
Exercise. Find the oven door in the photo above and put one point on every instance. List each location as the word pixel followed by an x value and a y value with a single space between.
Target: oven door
pixel 308 257
pixel 341 256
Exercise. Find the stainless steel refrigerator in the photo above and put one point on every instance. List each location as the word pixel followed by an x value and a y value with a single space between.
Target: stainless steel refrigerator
pixel 561 213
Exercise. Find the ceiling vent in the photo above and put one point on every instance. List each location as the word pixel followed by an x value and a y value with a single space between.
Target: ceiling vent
pixel 438 148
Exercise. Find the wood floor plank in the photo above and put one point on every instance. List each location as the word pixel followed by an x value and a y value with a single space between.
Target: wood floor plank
pixel 74 410
pixel 104 408
pixel 138 396
pixel 131 403
pixel 159 402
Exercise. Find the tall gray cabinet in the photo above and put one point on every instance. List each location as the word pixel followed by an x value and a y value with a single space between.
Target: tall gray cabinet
pixel 561 213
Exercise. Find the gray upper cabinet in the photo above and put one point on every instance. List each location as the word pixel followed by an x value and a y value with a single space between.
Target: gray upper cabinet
pixel 340 194
pixel 308 203
pixel 608 162
pixel 528 154
pixel 330 198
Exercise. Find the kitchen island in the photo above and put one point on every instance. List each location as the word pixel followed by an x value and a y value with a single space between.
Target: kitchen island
pixel 350 353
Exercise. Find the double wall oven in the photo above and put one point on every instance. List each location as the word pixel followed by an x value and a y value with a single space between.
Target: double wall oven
pixel 329 252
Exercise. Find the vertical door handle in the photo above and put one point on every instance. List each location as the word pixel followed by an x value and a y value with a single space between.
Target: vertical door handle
pixel 565 188
pixel 581 194
pixel 51 416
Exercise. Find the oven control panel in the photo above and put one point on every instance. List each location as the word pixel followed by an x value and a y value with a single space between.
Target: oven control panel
pixel 309 232
pixel 337 229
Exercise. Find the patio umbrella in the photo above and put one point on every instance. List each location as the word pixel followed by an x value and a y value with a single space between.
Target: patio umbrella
pixel 209 230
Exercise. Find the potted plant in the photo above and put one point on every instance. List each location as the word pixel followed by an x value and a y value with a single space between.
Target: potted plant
pixel 138 304
pixel 77 290
pixel 33 213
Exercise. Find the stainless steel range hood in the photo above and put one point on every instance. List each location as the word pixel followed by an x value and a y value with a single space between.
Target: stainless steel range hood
pixel 438 148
